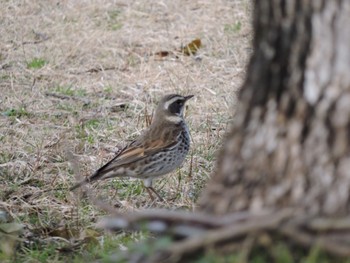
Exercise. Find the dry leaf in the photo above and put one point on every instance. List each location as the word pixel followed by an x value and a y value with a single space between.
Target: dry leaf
pixel 191 48
pixel 162 54
pixel 188 50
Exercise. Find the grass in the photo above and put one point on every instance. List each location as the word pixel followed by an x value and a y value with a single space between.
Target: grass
pixel 19 112
pixel 234 28
pixel 54 101
pixel 70 91
pixel 36 63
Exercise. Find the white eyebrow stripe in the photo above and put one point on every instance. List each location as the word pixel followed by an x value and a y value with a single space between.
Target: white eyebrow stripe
pixel 168 103
pixel 173 119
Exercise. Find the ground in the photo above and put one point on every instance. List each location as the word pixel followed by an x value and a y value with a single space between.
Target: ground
pixel 83 77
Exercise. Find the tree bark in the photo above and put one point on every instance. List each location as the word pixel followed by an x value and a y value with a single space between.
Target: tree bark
pixel 289 145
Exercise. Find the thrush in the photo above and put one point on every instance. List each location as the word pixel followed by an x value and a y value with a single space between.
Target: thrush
pixel 158 151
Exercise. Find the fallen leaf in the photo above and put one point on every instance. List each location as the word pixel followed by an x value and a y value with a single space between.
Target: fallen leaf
pixel 188 50
pixel 162 54
pixel 119 107
pixel 192 47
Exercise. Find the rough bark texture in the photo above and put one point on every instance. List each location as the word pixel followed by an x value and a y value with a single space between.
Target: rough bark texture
pixel 289 145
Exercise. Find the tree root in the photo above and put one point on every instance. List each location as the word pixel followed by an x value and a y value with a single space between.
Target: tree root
pixel 195 232
pixel 309 240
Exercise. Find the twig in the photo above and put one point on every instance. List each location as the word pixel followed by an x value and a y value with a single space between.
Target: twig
pixel 95 70
pixel 224 234
pixel 306 239
pixel 325 224
pixel 40 37
pixel 98 203
pixel 200 220
pixel 66 97
pixel 101 68
pixel 246 249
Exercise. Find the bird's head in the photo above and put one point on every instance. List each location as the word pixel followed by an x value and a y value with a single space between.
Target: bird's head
pixel 171 107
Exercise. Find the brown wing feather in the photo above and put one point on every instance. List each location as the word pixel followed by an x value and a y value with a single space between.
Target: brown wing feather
pixel 134 152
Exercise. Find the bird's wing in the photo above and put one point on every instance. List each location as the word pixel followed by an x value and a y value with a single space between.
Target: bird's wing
pixel 131 154
pixel 134 152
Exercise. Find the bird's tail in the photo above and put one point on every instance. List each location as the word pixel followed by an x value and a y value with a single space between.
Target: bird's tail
pixel 77 185
pixel 99 174
pixel 92 178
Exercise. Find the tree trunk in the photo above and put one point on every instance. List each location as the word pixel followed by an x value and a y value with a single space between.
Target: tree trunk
pixel 285 166
pixel 289 145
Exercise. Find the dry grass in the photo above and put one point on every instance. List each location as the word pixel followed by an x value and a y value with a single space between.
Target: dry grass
pixel 64 69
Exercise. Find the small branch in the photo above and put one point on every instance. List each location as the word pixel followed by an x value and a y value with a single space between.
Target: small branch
pixel 198 231
pixel 39 38
pixel 66 97
pixel 224 234
pixel 95 70
pixel 306 239
pixel 325 224
pixel 199 220
pixel 101 69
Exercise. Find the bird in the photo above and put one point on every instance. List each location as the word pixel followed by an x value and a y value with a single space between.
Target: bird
pixel 159 150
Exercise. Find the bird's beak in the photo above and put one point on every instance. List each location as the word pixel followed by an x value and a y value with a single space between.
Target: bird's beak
pixel 188 97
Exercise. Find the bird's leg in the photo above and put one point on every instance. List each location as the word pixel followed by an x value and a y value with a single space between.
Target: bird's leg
pixel 149 193
pixel 155 192
pixel 148 185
